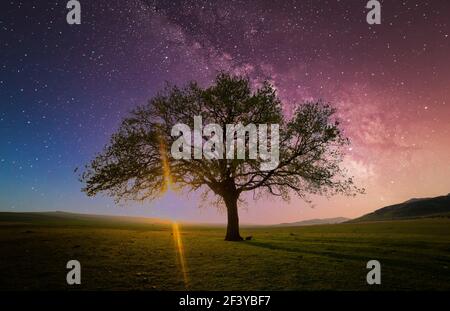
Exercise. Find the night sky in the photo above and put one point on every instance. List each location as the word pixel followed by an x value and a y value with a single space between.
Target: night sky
pixel 65 88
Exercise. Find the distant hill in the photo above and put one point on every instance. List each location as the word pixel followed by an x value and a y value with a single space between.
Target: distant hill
pixel 74 219
pixel 311 222
pixel 413 208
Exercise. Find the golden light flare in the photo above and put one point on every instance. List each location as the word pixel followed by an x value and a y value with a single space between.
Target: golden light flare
pixel 167 177
pixel 180 252
pixel 169 185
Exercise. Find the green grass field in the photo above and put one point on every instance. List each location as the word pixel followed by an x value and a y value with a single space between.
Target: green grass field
pixel 131 254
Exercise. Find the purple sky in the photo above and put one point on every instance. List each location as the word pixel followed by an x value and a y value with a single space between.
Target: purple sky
pixel 64 89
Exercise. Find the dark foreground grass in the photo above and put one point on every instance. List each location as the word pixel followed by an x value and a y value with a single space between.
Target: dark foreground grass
pixel 141 255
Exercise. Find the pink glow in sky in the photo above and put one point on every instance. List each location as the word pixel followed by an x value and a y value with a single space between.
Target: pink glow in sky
pixel 64 91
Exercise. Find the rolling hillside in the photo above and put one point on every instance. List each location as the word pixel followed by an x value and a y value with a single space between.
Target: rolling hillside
pixel 312 222
pixel 414 208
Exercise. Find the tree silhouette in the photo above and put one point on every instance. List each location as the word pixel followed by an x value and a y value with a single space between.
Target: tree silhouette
pixel 137 164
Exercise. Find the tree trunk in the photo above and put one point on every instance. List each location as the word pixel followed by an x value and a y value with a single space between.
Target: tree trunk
pixel 233 218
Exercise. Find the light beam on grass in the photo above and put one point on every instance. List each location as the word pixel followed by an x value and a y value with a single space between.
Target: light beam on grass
pixel 167 186
pixel 180 251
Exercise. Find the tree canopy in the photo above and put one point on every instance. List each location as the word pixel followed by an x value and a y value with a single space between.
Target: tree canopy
pixel 137 164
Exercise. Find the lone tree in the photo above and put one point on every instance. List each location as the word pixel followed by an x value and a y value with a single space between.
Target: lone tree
pixel 137 164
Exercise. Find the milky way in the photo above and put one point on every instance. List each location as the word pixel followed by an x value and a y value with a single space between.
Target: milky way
pixel 64 89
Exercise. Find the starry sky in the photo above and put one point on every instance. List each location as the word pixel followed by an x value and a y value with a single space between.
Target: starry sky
pixel 65 88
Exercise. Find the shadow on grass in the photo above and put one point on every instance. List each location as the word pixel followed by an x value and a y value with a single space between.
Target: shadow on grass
pixel 279 247
pixel 416 264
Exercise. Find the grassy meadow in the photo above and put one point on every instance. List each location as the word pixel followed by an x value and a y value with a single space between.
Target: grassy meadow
pixel 143 254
